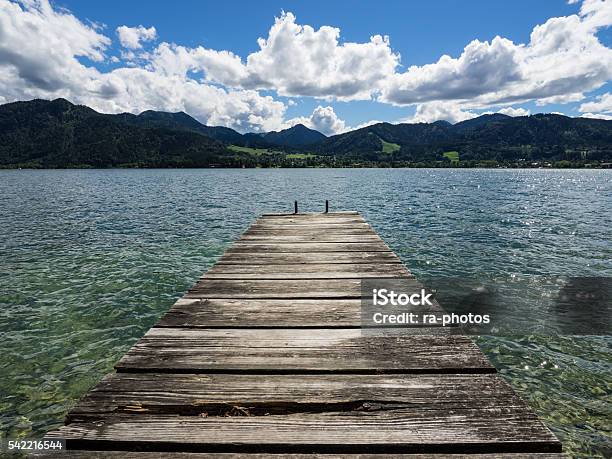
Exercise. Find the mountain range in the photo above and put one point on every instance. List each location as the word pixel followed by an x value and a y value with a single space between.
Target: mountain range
pixel 296 136
pixel 50 134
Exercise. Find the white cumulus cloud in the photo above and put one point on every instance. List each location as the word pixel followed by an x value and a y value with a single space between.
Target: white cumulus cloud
pixel 322 119
pixel 602 103
pixel 511 111
pixel 597 116
pixel 47 52
pixel 366 124
pixel 299 60
pixel 563 59
pixel 482 67
pixel 40 49
pixel 294 60
pixel 454 113
pixel 439 111
pixel 131 37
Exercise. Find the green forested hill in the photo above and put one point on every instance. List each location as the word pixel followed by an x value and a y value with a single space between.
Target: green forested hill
pixel 296 136
pixel 487 137
pixel 56 133
pixel 183 122
pixel 59 134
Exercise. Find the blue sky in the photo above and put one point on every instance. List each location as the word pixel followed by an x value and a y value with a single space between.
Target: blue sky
pixel 182 63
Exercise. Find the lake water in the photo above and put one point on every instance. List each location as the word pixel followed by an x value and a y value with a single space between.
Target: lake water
pixel 90 259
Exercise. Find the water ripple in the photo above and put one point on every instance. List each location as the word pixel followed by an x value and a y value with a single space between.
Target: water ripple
pixel 91 259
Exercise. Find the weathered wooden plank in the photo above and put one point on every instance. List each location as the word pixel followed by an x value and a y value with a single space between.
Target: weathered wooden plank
pixel 339 213
pixel 343 213
pixel 303 247
pixel 87 454
pixel 314 257
pixel 441 399
pixel 219 394
pixel 311 226
pixel 281 288
pixel 338 224
pixel 383 269
pixel 304 274
pixel 306 229
pixel 401 430
pixel 327 219
pixel 320 237
pixel 314 226
pixel 268 313
pixel 300 350
pixel 306 271
pixel 284 288
pixel 310 222
pixel 305 236
pixel 310 216
pixel 248 313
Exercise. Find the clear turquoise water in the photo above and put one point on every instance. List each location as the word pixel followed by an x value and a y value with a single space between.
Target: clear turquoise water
pixel 89 259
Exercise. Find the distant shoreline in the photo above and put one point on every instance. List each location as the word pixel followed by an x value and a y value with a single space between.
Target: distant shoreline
pixel 40 134
pixel 522 167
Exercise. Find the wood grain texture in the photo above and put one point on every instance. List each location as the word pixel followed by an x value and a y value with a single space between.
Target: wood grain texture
pixel 313 223
pixel 306 271
pixel 247 313
pixel 301 351
pixel 311 215
pixel 316 258
pixel 311 219
pixel 280 288
pixel 87 454
pixel 397 430
pixel 271 313
pixel 288 288
pixel 322 236
pixel 219 394
pixel 418 404
pixel 315 226
pixel 304 247
pixel 305 230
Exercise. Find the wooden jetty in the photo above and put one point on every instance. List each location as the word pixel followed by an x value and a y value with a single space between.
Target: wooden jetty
pixel 264 355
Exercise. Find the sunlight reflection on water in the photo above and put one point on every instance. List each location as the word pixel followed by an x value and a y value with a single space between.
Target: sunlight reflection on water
pixel 91 259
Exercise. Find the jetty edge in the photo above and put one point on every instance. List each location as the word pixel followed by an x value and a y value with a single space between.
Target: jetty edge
pixel 265 355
